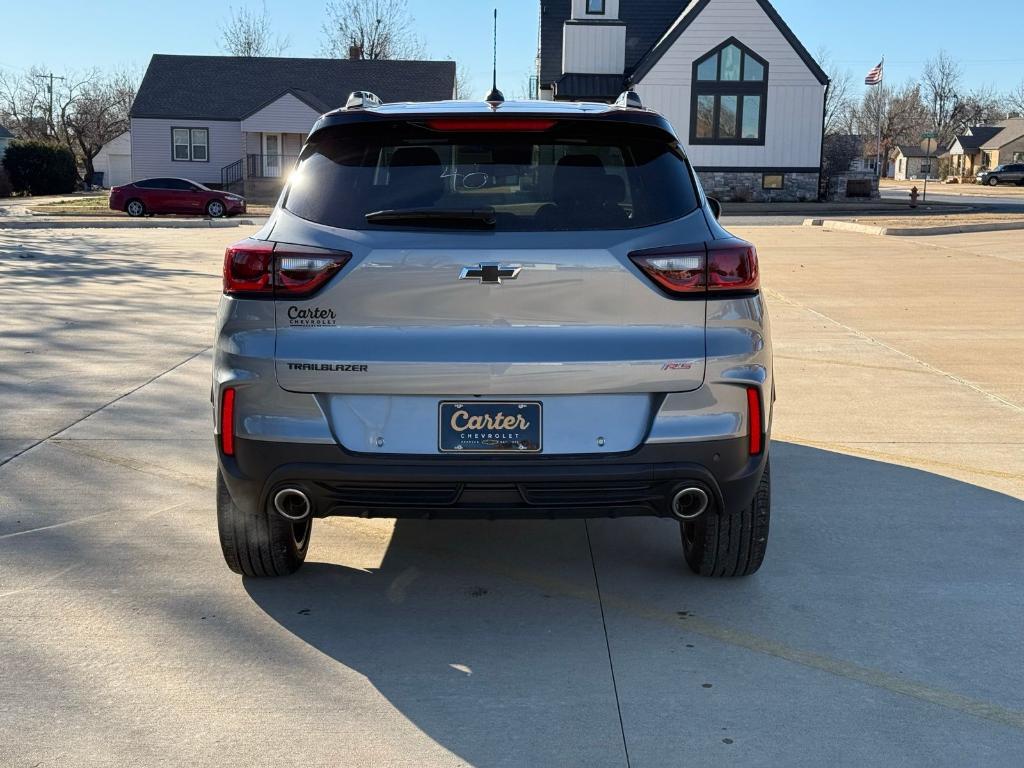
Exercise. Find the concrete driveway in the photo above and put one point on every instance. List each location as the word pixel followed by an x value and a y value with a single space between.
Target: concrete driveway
pixel 884 629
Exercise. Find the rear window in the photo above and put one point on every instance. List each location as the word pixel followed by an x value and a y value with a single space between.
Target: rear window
pixel 569 177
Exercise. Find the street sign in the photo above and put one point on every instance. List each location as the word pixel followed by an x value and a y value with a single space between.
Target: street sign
pixel 929 135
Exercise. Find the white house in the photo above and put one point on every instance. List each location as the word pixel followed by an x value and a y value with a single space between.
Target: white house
pixel 114 161
pixel 744 95
pixel 234 120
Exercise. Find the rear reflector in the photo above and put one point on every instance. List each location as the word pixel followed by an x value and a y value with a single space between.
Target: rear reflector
pixel 227 422
pixel 490 124
pixel 755 421
pixel 699 270
pixel 255 268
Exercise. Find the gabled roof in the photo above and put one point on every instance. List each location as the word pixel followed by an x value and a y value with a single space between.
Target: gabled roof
pixel 646 21
pixel 976 136
pixel 233 87
pixel 652 27
pixel 1010 130
pixel 5 134
pixel 913 150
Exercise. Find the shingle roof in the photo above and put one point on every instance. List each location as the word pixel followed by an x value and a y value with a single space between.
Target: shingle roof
pixel 913 150
pixel 589 87
pixel 5 134
pixel 647 22
pixel 1011 130
pixel 978 136
pixel 232 87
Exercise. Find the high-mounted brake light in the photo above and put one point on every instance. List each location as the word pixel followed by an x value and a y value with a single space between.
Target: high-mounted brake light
pixel 699 270
pixel 755 421
pixel 227 421
pixel 490 124
pixel 255 268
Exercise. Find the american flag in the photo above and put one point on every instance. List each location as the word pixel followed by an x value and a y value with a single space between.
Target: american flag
pixel 875 75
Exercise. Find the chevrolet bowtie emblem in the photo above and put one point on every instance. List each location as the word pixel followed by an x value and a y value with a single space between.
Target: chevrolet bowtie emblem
pixel 492 274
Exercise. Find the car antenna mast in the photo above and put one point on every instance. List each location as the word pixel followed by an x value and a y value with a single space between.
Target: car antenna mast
pixel 495 96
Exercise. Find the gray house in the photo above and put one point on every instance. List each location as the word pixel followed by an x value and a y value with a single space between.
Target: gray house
pixel 6 137
pixel 240 122
pixel 744 95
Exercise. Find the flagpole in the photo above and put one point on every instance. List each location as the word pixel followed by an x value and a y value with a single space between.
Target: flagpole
pixel 878 140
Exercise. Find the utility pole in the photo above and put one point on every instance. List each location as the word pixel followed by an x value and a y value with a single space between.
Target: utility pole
pixel 51 76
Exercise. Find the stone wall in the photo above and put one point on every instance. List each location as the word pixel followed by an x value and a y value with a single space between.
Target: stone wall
pixel 837 186
pixel 730 186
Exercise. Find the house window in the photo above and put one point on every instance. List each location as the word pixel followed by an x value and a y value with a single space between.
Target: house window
pixel 1018 157
pixel 773 181
pixel 730 94
pixel 190 144
pixel 595 7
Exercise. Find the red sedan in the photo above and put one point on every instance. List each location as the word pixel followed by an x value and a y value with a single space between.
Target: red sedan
pixel 174 196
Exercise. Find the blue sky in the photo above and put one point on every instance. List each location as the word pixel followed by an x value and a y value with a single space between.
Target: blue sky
pixel 121 32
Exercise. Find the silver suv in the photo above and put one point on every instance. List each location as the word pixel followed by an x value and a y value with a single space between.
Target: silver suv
pixel 483 310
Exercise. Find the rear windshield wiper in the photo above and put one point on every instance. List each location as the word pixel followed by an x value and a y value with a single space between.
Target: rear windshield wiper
pixel 482 217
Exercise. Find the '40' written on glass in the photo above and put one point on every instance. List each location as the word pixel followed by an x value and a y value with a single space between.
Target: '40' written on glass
pixel 473 180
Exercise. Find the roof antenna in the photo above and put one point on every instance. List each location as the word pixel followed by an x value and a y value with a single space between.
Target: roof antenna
pixel 495 96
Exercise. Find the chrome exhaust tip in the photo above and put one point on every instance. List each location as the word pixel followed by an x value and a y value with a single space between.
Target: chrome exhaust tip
pixel 690 503
pixel 292 504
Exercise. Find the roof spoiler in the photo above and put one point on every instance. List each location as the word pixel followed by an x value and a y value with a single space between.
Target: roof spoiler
pixel 362 100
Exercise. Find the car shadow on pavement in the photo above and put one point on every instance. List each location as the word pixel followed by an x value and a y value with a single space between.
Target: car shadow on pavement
pixel 491 637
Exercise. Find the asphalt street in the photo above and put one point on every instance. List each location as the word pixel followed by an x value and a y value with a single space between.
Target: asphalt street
pixel 884 629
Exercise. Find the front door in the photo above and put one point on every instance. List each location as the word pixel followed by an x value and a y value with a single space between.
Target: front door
pixel 272 155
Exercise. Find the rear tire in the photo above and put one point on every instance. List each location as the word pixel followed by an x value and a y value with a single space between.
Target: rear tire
pixel 135 208
pixel 260 543
pixel 727 545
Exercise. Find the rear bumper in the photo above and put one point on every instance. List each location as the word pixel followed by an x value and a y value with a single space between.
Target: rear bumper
pixel 640 483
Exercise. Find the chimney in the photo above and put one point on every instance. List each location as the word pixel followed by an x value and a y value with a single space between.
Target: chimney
pixel 355 52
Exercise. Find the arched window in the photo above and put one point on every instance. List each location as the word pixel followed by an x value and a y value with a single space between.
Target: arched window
pixel 730 94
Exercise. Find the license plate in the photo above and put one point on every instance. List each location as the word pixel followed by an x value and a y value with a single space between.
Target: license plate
pixel 489 427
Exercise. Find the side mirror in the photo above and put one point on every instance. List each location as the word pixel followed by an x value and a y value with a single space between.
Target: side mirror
pixel 716 207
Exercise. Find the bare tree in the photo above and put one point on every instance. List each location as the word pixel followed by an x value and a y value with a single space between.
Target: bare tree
pixel 1015 99
pixel 839 101
pixel 370 29
pixel 251 33
pixel 942 92
pixel 899 114
pixel 463 82
pixel 981 106
pixel 89 108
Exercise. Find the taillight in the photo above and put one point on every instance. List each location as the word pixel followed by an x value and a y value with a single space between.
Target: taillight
pixel 755 421
pixel 733 268
pixel 256 268
pixel 699 270
pixel 227 421
pixel 248 268
pixel 678 272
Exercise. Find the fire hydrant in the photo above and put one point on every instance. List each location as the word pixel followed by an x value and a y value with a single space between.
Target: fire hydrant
pixel 913 197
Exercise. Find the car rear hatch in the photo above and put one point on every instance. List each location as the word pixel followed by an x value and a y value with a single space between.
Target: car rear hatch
pixel 491 258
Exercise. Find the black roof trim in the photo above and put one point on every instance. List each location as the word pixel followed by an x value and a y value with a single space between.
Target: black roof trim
pixel 653 56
